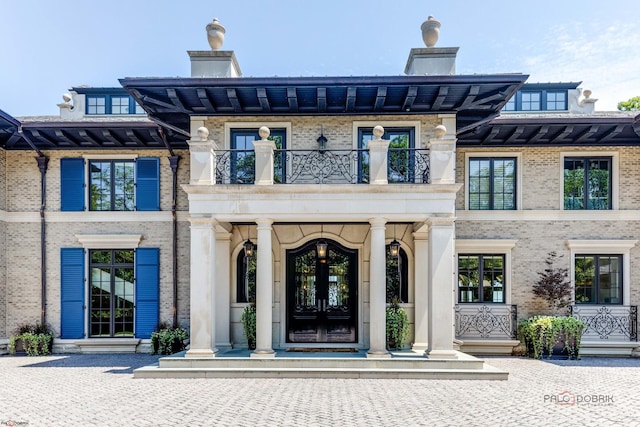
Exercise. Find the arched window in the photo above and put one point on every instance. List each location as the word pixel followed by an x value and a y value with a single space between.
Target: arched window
pixel 246 277
pixel 397 276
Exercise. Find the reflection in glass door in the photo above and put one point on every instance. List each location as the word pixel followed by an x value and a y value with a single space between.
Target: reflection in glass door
pixel 322 295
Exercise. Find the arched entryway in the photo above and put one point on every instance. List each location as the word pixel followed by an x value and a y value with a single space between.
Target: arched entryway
pixel 322 294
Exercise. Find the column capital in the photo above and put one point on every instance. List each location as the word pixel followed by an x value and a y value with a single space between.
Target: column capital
pixel 377 222
pixel 203 222
pixel 264 223
pixel 433 223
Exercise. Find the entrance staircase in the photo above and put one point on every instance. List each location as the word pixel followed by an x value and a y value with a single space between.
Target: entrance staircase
pixel 287 364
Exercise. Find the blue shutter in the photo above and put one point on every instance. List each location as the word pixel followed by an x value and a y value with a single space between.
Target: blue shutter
pixel 71 184
pixel 72 293
pixel 147 291
pixel 148 184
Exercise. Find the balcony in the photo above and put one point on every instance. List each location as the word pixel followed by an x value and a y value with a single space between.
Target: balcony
pixel 486 328
pixel 403 166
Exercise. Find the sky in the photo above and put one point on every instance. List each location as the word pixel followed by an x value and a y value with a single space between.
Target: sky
pixel 49 46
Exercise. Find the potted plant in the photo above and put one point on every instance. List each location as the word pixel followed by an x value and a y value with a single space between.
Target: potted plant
pixel 551 336
pixel 248 320
pixel 557 334
pixel 168 339
pixel 32 339
pixel 397 325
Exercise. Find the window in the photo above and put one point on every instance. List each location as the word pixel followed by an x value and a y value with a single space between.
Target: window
pixel 242 161
pixel 120 105
pixel 111 299
pixel 556 100
pixel 114 184
pixel 123 289
pixel 481 278
pixel 587 183
pixel 400 165
pixel 111 185
pixel 598 279
pixel 511 104
pixel 112 104
pixel 492 183
pixel 96 105
pixel 246 277
pixel 530 101
pixel 397 276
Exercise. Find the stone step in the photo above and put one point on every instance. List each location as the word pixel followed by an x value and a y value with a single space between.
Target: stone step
pixel 303 365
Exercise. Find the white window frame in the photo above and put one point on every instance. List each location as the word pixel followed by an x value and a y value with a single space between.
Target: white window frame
pixel 604 247
pixel 488 247
pixel 473 154
pixel 615 171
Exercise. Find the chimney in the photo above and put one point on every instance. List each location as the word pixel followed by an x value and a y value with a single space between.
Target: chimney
pixel 214 62
pixel 431 60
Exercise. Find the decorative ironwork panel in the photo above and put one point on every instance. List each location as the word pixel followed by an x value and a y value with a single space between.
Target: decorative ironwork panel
pixel 608 322
pixel 235 166
pixel 321 166
pixel 486 321
pixel 408 166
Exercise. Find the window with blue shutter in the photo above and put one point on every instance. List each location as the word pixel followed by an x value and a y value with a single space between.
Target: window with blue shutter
pixel 148 184
pixel 72 184
pixel 72 293
pixel 147 291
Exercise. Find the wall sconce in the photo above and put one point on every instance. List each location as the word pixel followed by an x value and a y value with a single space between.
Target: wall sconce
pixel 321 247
pixel 248 246
pixel 322 141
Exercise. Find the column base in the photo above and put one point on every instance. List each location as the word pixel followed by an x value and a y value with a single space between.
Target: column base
pixel 378 354
pixel 441 354
pixel 263 354
pixel 201 353
pixel 419 347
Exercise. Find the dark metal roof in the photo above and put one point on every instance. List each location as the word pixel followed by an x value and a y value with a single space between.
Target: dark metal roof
pixel 473 98
pixel 561 130
pixel 57 135
pixel 8 128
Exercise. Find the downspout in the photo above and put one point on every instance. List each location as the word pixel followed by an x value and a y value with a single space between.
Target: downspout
pixel 173 163
pixel 42 166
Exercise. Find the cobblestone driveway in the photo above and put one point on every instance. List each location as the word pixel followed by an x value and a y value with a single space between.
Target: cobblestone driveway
pixel 99 390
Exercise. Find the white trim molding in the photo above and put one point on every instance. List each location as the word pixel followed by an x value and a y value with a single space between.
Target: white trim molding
pixel 488 246
pixel 109 241
pixel 598 247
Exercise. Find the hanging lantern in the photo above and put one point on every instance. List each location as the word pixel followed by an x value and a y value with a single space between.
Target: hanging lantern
pixel 248 245
pixel 321 249
pixel 394 248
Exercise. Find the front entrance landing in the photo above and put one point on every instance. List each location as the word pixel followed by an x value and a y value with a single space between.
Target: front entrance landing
pixel 291 364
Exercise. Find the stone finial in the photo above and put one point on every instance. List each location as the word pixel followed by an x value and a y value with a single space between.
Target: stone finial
pixel 440 131
pixel 215 34
pixel 203 133
pixel 378 131
pixel 430 31
pixel 264 132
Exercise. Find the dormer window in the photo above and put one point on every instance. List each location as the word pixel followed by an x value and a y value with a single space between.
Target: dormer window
pixel 556 101
pixel 112 105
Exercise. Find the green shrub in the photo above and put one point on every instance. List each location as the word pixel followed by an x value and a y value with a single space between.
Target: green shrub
pixel 248 320
pixel 397 326
pixel 168 339
pixel 541 334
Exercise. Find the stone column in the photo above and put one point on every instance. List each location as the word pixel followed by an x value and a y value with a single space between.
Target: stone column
pixel 378 157
pixel 441 288
pixel 421 293
pixel 377 290
pixel 202 295
pixel 223 287
pixel 264 291
pixel 442 154
pixel 264 158
pixel 202 159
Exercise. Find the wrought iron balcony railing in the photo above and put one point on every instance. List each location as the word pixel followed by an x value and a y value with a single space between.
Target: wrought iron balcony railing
pixel 404 166
pixel 486 321
pixel 608 322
